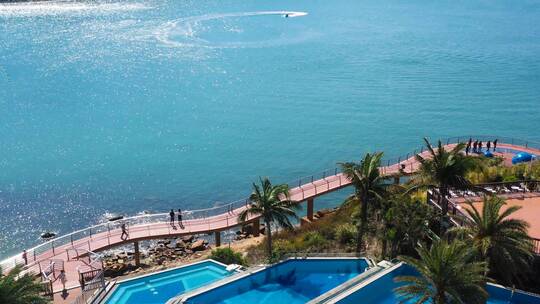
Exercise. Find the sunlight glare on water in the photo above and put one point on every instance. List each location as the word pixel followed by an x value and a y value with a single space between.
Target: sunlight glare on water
pixel 115 107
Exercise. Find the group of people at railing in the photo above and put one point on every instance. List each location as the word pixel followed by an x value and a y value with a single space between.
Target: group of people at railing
pixel 477 145
pixel 172 215
pixel 180 221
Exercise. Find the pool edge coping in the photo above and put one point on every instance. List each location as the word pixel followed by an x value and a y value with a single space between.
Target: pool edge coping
pixel 345 286
pixel 185 297
pixel 116 283
pixel 362 284
pixel 378 275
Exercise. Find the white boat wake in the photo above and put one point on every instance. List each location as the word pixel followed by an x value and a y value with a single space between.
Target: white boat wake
pixel 185 27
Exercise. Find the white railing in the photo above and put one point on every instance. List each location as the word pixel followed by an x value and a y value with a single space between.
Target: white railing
pixel 107 230
pixel 196 217
pixel 95 261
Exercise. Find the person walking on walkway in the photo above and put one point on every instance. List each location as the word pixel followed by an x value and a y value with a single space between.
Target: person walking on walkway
pixel 171 215
pixel 467 148
pixel 475 146
pixel 480 147
pixel 125 234
pixel 180 222
pixel 63 280
pixel 470 143
pixel 495 144
pixel 488 145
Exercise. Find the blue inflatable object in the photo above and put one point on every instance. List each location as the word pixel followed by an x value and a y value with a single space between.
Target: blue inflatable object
pixel 522 157
pixel 488 154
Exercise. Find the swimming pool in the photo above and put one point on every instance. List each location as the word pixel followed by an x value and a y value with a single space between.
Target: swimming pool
pixel 379 290
pixel 292 281
pixel 158 288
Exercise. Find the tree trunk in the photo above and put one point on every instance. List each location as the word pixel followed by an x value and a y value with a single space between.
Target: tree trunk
pixel 384 245
pixel 444 208
pixel 268 239
pixel 362 225
pixel 440 298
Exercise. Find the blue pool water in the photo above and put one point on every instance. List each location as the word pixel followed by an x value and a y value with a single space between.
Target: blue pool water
pixel 291 282
pixel 380 291
pixel 129 105
pixel 160 287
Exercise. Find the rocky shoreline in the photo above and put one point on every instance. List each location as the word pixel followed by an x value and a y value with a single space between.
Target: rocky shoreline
pixel 168 253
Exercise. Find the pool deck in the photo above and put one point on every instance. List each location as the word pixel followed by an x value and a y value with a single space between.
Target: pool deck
pixel 529 212
pixel 227 220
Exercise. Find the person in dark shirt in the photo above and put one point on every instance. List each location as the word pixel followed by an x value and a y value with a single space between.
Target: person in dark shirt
pixel 180 222
pixel 171 214
pixel 125 234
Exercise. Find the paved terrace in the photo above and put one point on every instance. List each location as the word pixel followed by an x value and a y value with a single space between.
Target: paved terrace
pixel 213 220
pixel 524 195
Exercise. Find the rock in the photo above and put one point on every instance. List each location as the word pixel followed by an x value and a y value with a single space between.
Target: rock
pixel 180 244
pixel 189 251
pixel 247 229
pixel 198 245
pixel 188 238
pixel 241 236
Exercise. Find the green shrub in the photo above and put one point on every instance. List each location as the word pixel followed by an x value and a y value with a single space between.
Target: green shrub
pixel 284 246
pixel 227 256
pixel 510 178
pixel 314 239
pixel 327 231
pixel 346 233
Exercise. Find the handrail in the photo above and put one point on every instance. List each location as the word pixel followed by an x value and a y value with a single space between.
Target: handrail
pixel 536 245
pixel 45 273
pixel 216 210
pixel 93 258
pixel 96 229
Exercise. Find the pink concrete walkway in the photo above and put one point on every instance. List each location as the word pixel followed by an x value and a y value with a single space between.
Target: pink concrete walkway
pixel 227 220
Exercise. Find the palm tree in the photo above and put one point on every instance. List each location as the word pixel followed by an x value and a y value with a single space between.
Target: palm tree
pixel 444 170
pixel 501 241
pixel 272 203
pixel 18 288
pixel 447 274
pixel 368 184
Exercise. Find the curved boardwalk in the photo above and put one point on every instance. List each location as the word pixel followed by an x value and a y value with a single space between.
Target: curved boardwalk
pixel 111 236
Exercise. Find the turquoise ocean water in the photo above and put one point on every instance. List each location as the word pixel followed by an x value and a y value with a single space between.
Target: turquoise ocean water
pixel 126 106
